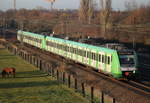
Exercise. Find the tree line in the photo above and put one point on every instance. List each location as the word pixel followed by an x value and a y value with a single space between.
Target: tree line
pixel 130 25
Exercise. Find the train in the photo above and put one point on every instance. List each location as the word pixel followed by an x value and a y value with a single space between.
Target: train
pixel 118 64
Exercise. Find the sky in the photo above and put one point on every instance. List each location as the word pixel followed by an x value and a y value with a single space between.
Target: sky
pixel 59 4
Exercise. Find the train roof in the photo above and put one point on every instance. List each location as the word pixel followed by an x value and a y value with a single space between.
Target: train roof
pixel 31 34
pixel 83 45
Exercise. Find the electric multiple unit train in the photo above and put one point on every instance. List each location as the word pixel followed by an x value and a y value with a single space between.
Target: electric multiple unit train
pixel 118 64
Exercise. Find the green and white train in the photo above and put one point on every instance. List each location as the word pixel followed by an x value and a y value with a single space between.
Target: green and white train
pixel 112 62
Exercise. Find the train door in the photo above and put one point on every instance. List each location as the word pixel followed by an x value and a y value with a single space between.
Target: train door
pixel 80 54
pixel 74 53
pixel 69 51
pixel 108 63
pixel 83 55
pixel 93 59
pixel 88 59
pixel 100 65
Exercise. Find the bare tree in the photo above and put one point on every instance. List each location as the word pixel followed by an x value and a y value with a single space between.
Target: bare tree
pixel 105 14
pixel 83 10
pixel 86 10
pixel 91 9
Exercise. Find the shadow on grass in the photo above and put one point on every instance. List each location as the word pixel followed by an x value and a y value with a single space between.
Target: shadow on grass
pixel 30 74
pixel 27 84
pixel 1 48
pixel 27 74
pixel 7 56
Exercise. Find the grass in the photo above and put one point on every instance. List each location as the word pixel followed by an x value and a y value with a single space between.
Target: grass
pixel 32 85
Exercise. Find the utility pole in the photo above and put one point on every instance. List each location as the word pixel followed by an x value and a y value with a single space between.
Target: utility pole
pixel 14 4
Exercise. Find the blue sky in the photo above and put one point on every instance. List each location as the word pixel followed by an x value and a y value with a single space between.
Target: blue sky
pixel 59 4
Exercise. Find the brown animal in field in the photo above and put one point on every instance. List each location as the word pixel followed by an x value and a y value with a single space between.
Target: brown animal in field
pixel 8 71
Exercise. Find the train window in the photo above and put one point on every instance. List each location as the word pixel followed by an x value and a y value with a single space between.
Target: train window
pixel 108 60
pixel 88 54
pixel 75 51
pixel 79 51
pixel 71 49
pixel 99 57
pixel 82 52
pixel 67 48
pixel 93 56
pixel 59 46
pixel 64 48
pixel 85 54
pixel 103 58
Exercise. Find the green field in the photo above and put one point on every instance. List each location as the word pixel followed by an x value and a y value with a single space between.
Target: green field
pixel 31 85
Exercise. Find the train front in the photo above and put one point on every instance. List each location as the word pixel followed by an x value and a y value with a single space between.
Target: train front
pixel 128 64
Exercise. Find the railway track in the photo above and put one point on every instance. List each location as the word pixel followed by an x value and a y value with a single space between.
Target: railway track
pixel 132 85
pixel 136 87
pixel 140 85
